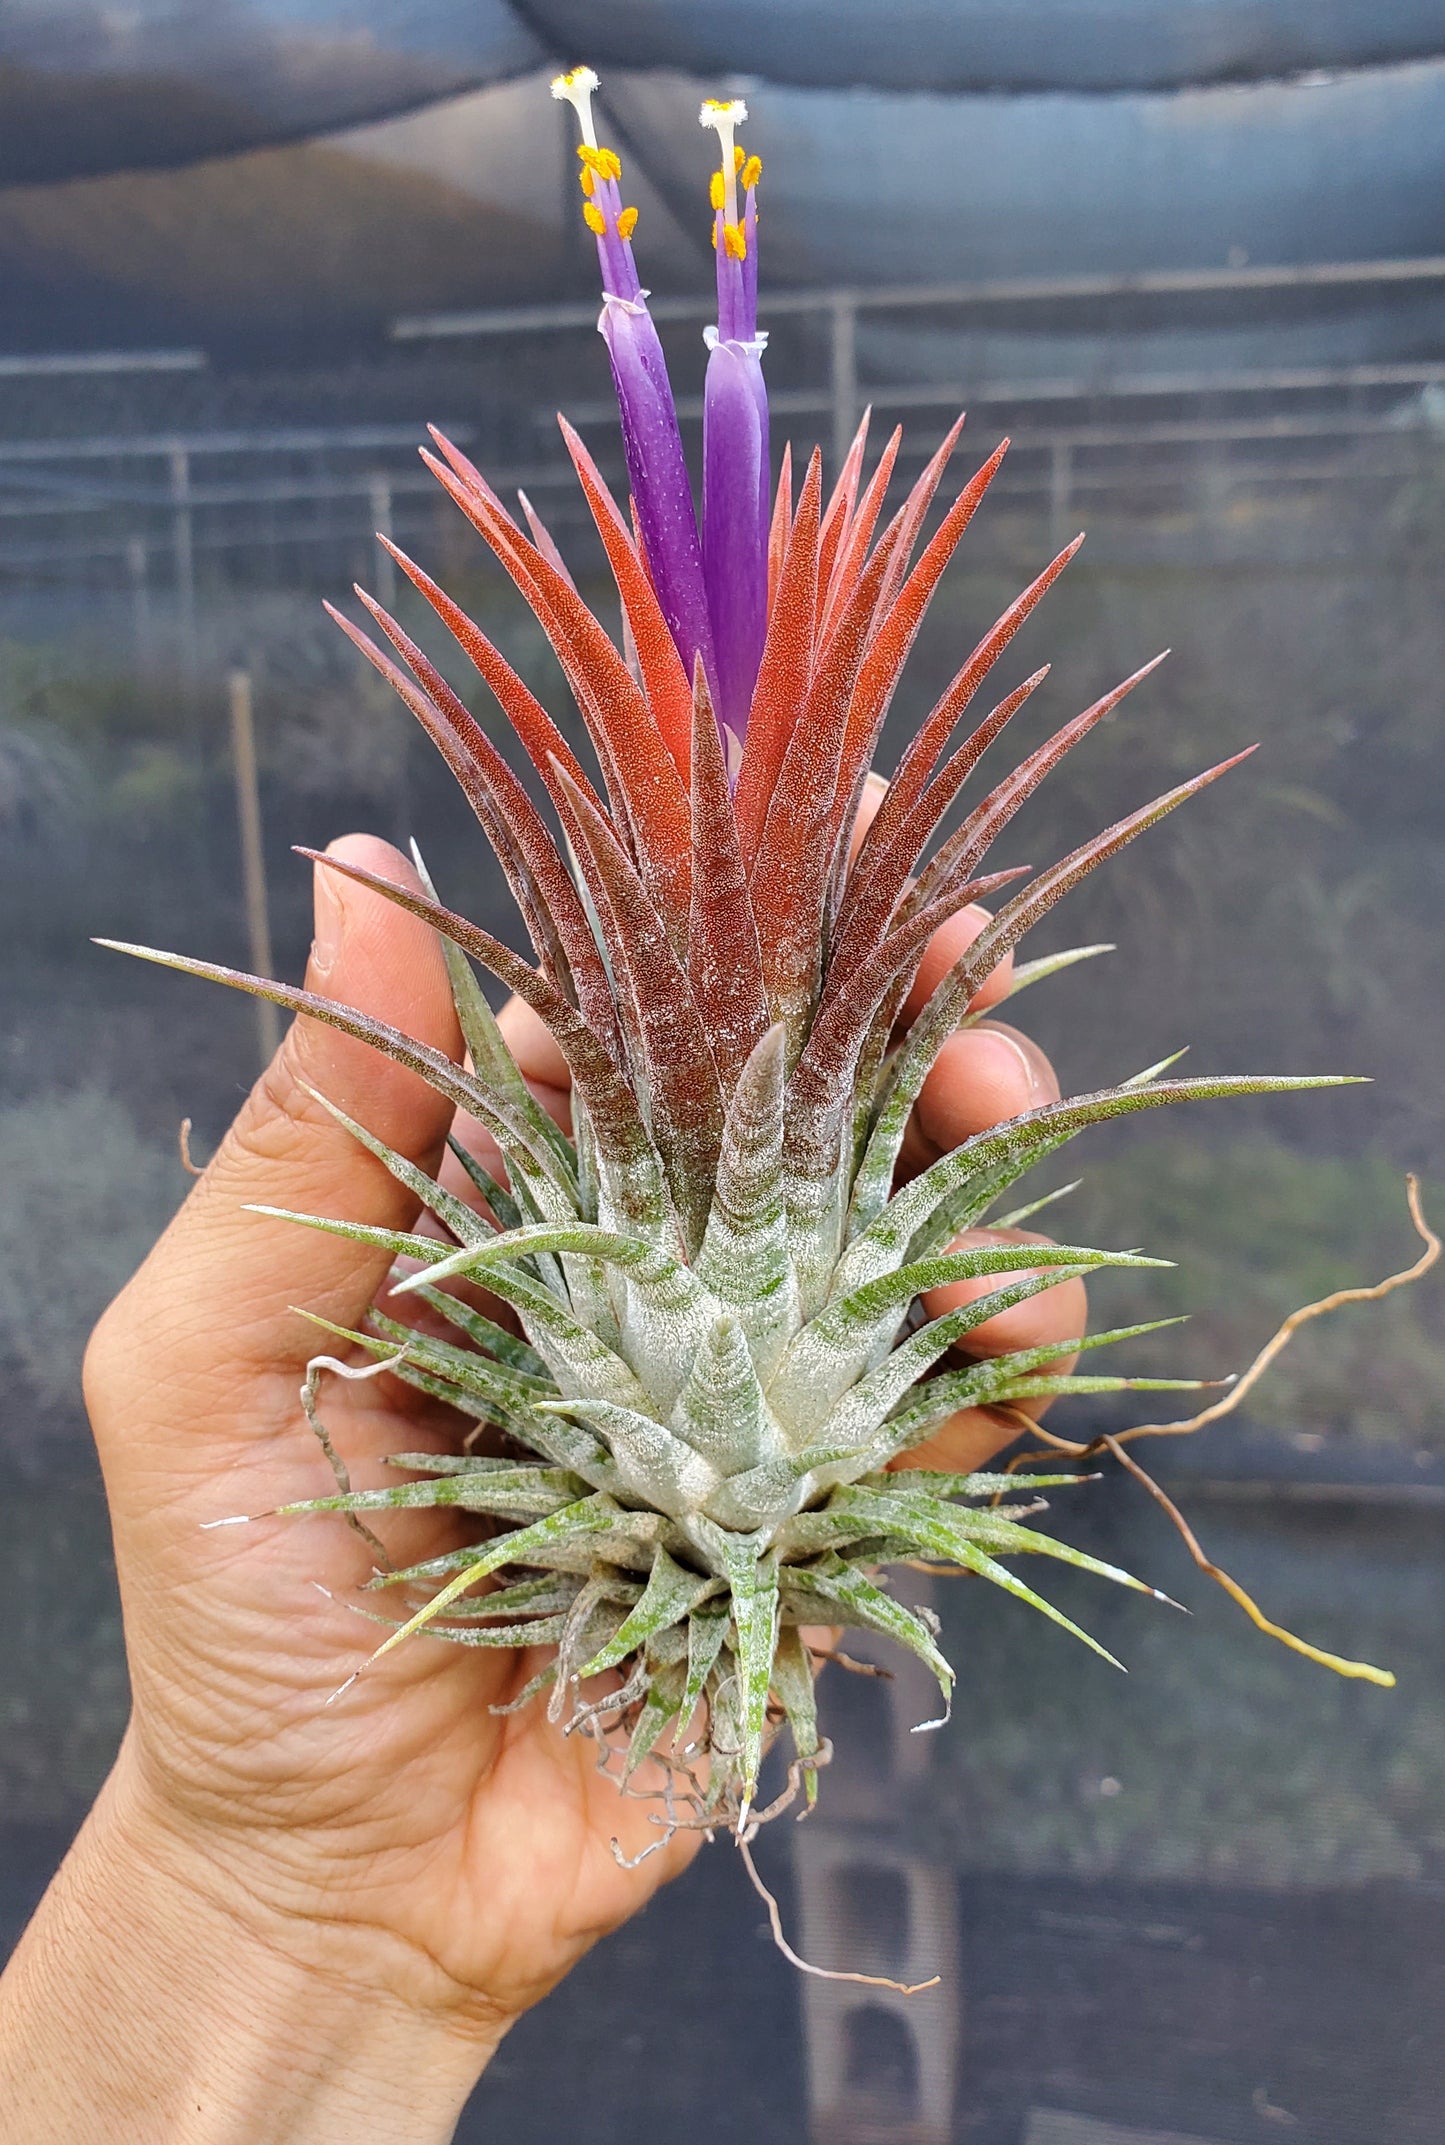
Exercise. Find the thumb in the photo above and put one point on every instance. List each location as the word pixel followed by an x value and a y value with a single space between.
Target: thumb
pixel 210 1311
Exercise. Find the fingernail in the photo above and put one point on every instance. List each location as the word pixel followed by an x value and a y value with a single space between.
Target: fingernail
pixel 330 921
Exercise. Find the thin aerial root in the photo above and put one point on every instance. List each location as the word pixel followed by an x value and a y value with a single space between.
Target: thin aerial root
pixel 613 1702
pixel 823 1973
pixel 1281 1340
pixel 1359 1670
pixel 849 1661
pixel 664 1839
pixel 357 1374
pixel 798 1772
pixel 183 1141
pixel 1115 1442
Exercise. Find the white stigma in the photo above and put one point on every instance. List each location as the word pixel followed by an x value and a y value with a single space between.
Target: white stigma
pixel 724 119
pixel 576 89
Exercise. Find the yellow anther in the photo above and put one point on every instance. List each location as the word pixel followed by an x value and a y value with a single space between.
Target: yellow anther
pixel 594 219
pixel 589 181
pixel 627 223
pixel 714 235
pixel 750 174
pixel 736 244
pixel 605 162
pixel 737 156
pixel 716 191
pixel 576 88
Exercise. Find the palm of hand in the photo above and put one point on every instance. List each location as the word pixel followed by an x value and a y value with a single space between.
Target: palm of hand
pixel 464 1859
pixel 480 1845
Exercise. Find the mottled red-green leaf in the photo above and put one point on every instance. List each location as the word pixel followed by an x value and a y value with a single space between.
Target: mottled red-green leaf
pixel 685 1103
pixel 541 885
pixel 724 962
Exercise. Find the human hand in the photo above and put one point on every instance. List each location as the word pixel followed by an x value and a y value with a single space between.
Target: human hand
pixel 326 1917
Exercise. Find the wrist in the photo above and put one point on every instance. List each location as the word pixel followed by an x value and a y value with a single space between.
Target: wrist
pixel 156 1996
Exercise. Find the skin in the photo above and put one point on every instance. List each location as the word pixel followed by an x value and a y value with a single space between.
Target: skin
pixel 288 1923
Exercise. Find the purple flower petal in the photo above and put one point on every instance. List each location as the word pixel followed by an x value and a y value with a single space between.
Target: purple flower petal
pixel 735 514
pixel 657 472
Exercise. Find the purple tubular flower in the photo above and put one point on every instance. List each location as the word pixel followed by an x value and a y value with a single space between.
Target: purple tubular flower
pixel 735 524
pixel 658 476
pixel 735 488
pixel 652 443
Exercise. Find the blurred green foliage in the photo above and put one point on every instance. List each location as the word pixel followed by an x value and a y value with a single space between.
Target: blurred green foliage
pixel 1223 1757
pixel 1257 1230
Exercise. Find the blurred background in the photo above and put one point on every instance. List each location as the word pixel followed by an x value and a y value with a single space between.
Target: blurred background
pixel 1191 257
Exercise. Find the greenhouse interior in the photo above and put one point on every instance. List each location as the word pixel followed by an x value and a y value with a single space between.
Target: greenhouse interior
pixel 1190 261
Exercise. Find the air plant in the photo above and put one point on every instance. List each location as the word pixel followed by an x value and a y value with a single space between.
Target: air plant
pixel 683 1442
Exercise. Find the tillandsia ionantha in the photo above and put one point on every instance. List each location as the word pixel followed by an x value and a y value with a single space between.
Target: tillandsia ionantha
pixel 684 1440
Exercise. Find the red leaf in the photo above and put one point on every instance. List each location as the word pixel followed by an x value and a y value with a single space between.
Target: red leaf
pixel 781 523
pixel 840 508
pixel 899 622
pixel 663 677
pixel 785 669
pixel 639 769
pixel 860 529
pixel 540 884
pixel 917 762
pixel 866 915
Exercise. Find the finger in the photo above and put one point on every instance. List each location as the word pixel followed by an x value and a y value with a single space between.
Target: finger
pixel 971 1438
pixel 949 943
pixel 982 1077
pixel 534 1047
pixel 545 1070
pixel 1057 1314
pixel 875 789
pixel 967 1442
pixel 213 1301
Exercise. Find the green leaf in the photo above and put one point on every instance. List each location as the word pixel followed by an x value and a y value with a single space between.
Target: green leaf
pixel 753 1578
pixel 661 1705
pixel 707 1628
pixel 588 1516
pixel 670 1595
pixel 855 1420
pixel 932 1402
pixel 485 1334
pixel 511 1491
pixel 837 1585
pixel 463 1221
pixel 793 1689
pixel 498 1198
pixel 1016 1146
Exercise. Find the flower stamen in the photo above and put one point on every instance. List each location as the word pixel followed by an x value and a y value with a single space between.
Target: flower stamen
pixel 723 116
